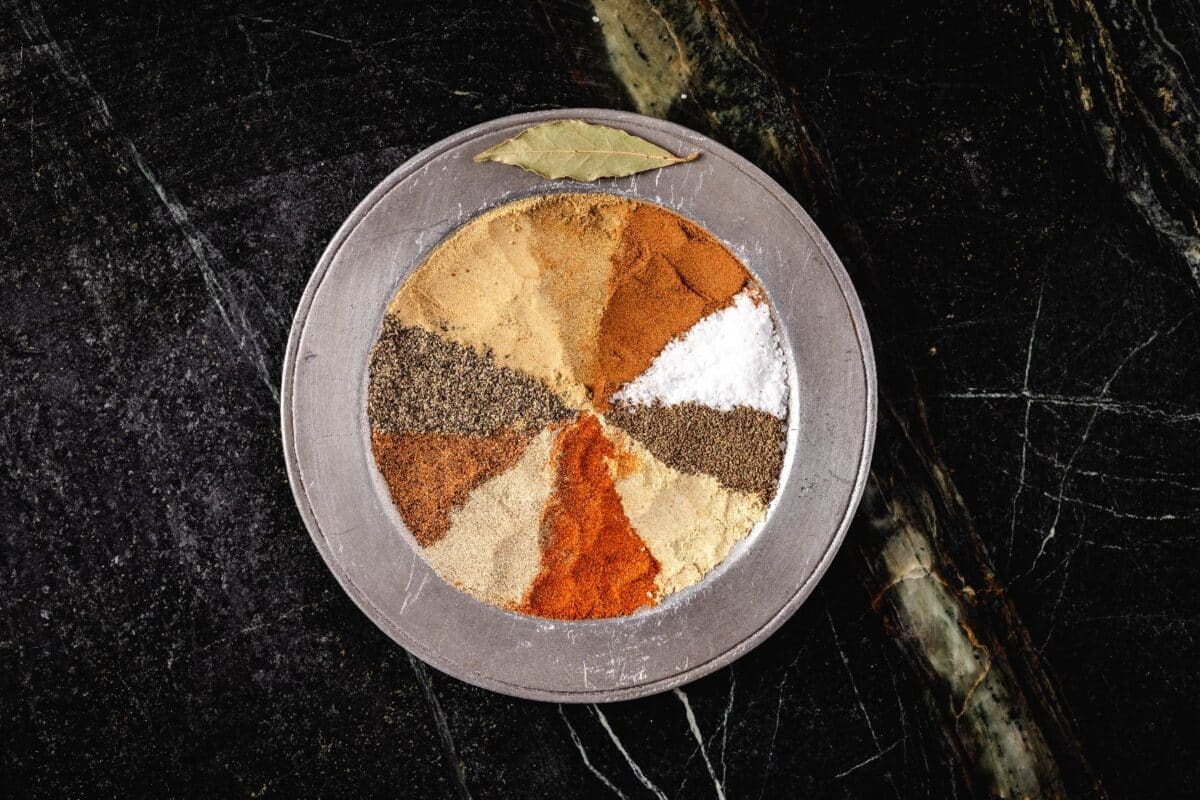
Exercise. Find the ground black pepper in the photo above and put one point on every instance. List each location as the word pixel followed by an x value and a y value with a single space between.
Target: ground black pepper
pixel 421 383
pixel 742 448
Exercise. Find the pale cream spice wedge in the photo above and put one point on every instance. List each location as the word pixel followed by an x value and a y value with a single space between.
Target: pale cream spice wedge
pixel 582 151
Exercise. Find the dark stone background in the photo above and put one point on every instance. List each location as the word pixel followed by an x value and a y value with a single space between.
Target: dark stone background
pixel 169 174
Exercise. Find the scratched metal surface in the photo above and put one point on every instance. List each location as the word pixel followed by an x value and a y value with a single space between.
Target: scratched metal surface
pixel 765 578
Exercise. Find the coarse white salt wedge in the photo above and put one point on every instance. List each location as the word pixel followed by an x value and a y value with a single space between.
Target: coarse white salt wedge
pixel 730 358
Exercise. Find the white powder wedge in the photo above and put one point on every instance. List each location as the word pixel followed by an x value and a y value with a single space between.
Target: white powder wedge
pixel 730 358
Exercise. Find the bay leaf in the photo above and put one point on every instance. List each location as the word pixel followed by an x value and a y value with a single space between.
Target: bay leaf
pixel 582 151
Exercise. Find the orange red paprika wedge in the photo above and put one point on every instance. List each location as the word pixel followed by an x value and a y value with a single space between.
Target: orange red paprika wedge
pixel 594 564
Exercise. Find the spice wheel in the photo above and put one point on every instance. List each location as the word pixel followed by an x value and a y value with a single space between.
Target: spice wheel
pixel 578 442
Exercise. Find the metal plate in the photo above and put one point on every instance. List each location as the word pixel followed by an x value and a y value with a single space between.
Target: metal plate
pixel 693 632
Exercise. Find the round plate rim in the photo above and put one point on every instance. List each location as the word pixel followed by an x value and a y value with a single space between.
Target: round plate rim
pixel 617 118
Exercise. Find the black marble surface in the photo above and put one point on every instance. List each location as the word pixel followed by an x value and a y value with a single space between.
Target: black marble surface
pixel 1024 176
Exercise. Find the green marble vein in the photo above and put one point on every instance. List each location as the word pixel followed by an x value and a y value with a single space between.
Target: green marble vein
pixel 1130 86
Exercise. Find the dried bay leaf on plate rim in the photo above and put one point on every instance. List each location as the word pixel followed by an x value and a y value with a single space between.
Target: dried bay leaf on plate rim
pixel 582 151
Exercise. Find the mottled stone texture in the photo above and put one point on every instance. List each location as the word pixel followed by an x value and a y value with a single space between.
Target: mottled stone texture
pixel 170 175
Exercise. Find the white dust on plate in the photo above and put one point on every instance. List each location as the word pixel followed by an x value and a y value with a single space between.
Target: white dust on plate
pixel 492 550
pixel 730 358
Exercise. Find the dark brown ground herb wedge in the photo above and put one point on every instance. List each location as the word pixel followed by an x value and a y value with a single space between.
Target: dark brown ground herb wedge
pixel 422 383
